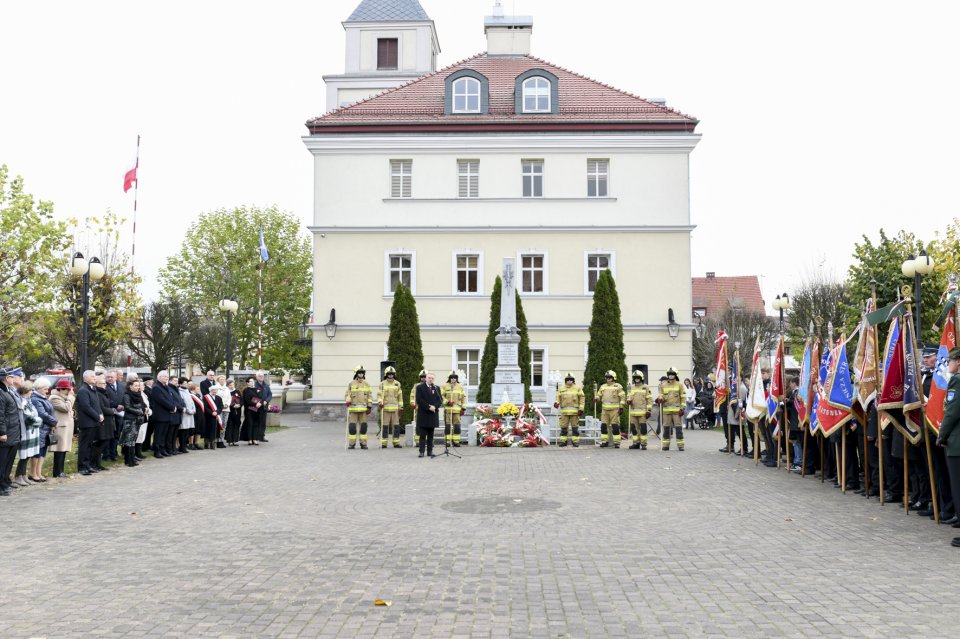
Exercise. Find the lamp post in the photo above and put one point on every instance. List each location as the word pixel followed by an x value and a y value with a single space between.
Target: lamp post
pixel 782 303
pixel 699 329
pixel 229 307
pixel 91 271
pixel 306 334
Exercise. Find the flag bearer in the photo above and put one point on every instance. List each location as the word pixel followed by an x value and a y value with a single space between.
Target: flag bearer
pixel 671 397
pixel 391 396
pixel 570 401
pixel 454 402
pixel 359 404
pixel 640 401
pixel 611 398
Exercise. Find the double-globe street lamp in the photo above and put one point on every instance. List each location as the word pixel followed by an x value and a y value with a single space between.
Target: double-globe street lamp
pixel 229 307
pixel 782 303
pixel 915 267
pixel 91 270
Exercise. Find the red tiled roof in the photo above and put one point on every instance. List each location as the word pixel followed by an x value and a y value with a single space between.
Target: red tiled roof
pixel 581 101
pixel 717 293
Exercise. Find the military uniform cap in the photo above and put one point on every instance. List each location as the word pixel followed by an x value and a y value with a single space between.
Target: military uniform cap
pixel 929 350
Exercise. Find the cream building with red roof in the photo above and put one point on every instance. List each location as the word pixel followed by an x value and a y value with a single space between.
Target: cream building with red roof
pixel 434 181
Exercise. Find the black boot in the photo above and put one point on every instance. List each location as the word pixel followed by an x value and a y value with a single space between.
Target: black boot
pixel 138 451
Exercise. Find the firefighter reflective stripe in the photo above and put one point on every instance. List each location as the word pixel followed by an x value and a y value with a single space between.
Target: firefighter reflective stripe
pixel 359 395
pixel 611 396
pixel 673 397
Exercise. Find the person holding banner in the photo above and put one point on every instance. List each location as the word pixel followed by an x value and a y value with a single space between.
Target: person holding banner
pixel 940 474
pixel 949 437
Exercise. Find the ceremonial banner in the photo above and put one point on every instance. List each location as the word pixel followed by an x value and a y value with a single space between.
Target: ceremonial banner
pixel 836 395
pixel 757 401
pixel 777 382
pixel 803 394
pixel 735 378
pixel 773 413
pixel 865 363
pixel 721 386
pixel 819 388
pixel 912 394
pixel 891 401
pixel 938 386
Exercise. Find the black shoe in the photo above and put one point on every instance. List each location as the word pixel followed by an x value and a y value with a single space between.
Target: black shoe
pixel 562 444
pixel 926 512
pixel 576 444
pixel 724 450
pixel 421 455
pixel 956 542
pixel 351 446
pixel 861 491
pixel 61 476
pixel 158 455
pixel 949 521
pixel 456 444
pixel 4 492
pixel 634 446
pixel 221 445
pixel 265 440
pixel 956 525
pixel 362 446
pixel 770 464
pixel 86 471
pixel 604 445
pixel 430 454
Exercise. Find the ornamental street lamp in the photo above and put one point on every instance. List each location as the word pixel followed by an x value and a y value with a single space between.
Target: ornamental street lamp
pixel 699 329
pixel 229 307
pixel 91 271
pixel 782 303
pixel 306 334
pixel 915 267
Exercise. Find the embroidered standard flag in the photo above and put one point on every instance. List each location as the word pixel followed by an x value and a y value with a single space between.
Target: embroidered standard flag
pixel 818 391
pixel 839 394
pixel 777 382
pixel 938 386
pixel 130 177
pixel 912 395
pixel 773 414
pixel 721 390
pixel 735 378
pixel 890 401
pixel 865 363
pixel 805 378
pixel 757 402
pixel 264 255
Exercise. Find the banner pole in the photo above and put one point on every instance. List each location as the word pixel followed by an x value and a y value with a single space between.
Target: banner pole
pixel 803 460
pixel 906 479
pixel 880 464
pixel 866 463
pixel 843 459
pixel 756 443
pixel 823 471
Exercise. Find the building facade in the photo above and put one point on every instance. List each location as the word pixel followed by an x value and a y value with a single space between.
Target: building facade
pixel 434 182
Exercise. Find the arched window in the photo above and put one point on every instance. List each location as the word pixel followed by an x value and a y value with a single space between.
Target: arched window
pixel 466 95
pixel 536 95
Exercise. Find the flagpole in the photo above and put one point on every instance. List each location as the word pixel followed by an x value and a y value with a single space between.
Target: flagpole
pixel 260 314
pixel 923 419
pixel 739 385
pixel 136 187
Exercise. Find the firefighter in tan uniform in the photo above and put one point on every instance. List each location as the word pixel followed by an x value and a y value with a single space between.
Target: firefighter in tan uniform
pixel 672 397
pixel 640 401
pixel 570 401
pixel 454 403
pixel 611 398
pixel 413 404
pixel 391 398
pixel 359 399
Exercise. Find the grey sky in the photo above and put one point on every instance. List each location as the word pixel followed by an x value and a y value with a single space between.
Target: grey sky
pixel 820 120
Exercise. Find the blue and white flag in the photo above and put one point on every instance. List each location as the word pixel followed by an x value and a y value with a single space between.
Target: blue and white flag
pixel 264 255
pixel 822 377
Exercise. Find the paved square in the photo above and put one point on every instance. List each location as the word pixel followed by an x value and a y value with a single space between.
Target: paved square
pixel 298 537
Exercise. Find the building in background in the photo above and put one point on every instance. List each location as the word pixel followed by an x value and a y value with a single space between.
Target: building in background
pixel 434 182
pixel 713 295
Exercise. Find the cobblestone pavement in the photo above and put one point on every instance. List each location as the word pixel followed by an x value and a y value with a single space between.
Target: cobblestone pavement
pixel 298 537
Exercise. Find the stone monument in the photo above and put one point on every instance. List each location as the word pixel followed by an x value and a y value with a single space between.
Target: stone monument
pixel 508 384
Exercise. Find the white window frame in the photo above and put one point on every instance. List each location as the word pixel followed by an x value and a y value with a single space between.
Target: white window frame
pixel 400 164
pixel 453 268
pixel 468 170
pixel 532 174
pixel 386 269
pixel 455 365
pixel 546 365
pixel 595 176
pixel 536 92
pixel 610 253
pixel 466 94
pixel 546 272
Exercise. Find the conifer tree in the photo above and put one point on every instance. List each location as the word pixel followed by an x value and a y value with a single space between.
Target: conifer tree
pixel 404 345
pixel 605 349
pixel 489 360
pixel 523 357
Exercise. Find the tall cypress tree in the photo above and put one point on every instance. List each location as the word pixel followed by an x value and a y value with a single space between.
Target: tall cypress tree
pixel 489 360
pixel 404 345
pixel 523 356
pixel 605 350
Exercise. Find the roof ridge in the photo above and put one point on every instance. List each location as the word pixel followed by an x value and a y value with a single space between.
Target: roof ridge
pixel 617 89
pixel 398 87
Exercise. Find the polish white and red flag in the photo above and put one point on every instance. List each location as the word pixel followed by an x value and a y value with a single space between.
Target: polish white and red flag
pixel 130 177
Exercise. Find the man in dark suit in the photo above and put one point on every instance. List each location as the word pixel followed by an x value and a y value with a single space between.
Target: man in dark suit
pixel 173 387
pixel 115 390
pixel 941 475
pixel 950 433
pixel 164 409
pixel 429 403
pixel 11 425
pixel 267 395
pixel 89 416
pixel 205 385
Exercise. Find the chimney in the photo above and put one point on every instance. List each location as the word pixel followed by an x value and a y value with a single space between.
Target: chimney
pixel 507 35
pixel 711 275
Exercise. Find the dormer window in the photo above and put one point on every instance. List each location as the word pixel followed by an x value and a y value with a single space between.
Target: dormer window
pixel 536 95
pixel 466 95
pixel 466 91
pixel 536 91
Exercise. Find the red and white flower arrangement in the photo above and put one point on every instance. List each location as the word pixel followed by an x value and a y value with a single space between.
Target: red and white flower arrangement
pixel 525 432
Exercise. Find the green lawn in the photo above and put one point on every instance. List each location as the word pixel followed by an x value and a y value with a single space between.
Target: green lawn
pixel 70 466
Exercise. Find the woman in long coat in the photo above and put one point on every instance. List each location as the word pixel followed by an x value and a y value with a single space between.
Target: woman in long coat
pixel 106 427
pixel 41 401
pixel 134 414
pixel 62 400
pixel 233 422
pixel 252 405
pixel 189 423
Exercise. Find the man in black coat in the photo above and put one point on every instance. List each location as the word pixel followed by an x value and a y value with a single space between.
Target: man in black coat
pixel 266 394
pixel 940 473
pixel 429 403
pixel 164 410
pixel 11 425
pixel 209 381
pixel 173 387
pixel 89 416
pixel 115 390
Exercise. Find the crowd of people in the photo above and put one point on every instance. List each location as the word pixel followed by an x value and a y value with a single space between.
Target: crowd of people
pixel 866 443
pixel 115 415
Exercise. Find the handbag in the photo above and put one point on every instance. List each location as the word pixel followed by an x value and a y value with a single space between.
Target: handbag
pixel 52 438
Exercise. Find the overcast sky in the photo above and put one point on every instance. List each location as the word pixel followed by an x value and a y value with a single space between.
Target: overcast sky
pixel 821 120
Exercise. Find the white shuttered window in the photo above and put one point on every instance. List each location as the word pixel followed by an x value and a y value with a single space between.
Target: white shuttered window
pixel 401 178
pixel 468 174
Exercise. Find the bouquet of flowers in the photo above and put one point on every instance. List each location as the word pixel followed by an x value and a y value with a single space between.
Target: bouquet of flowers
pixel 526 432
pixel 483 411
pixel 273 409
